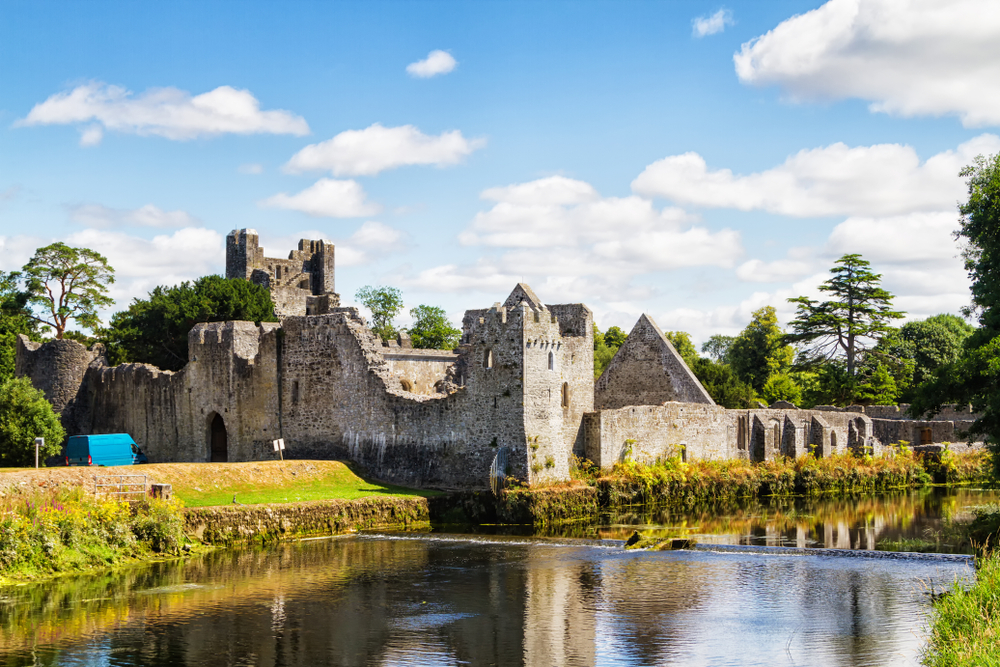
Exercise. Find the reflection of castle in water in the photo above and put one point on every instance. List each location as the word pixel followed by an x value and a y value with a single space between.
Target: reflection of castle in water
pixel 418 601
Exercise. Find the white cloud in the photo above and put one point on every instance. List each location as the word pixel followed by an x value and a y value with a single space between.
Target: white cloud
pixel 164 112
pixel 782 270
pixel 142 264
pixel 102 217
pixel 879 180
pixel 917 237
pixel 907 57
pixel 437 62
pixel 570 242
pixel 710 25
pixel 370 242
pixel 326 197
pixel 252 168
pixel 376 148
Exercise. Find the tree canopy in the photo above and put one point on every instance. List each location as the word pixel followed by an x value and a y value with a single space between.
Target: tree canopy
pixel 975 376
pixel 717 347
pixel 155 330
pixel 760 351
pixel 26 416
pixel 860 311
pixel 384 303
pixel 15 318
pixel 67 284
pixel 432 330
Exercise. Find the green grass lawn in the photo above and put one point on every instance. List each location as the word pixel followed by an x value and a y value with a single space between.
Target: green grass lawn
pixel 202 485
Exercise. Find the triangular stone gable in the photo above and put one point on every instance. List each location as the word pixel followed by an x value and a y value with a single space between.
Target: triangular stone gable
pixel 523 293
pixel 647 370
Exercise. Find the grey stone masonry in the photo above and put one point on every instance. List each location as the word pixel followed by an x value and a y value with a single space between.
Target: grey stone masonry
pixel 303 284
pixel 647 370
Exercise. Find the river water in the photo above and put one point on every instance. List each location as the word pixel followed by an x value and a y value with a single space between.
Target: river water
pixel 473 599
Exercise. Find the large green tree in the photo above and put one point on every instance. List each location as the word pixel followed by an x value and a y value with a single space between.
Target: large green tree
pixel 681 340
pixel 384 303
pixel 975 376
pixel 15 318
pixel 604 351
pixel 723 385
pixel 858 313
pixel 67 284
pixel 717 347
pixel 155 330
pixel 760 351
pixel 24 416
pixel 432 330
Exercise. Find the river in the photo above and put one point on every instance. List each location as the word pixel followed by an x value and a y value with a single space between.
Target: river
pixel 457 598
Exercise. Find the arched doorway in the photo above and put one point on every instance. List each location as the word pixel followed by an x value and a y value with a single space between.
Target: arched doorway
pixel 218 440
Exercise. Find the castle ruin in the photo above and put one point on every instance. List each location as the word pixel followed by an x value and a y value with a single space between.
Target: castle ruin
pixel 521 381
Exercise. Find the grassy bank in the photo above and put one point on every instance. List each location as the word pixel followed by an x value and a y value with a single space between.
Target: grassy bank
pixel 68 529
pixel 965 628
pixel 258 482
pixel 672 480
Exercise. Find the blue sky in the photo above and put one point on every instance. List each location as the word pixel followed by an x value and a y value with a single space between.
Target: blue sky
pixel 691 160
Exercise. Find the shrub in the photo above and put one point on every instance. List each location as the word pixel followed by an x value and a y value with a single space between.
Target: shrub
pixel 24 416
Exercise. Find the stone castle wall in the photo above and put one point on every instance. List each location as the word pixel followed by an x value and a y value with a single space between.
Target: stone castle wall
pixel 58 369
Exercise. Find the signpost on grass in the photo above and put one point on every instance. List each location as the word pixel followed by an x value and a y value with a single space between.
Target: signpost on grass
pixel 39 443
pixel 279 446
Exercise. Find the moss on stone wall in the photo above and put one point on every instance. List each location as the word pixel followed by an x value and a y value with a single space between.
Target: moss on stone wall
pixel 269 523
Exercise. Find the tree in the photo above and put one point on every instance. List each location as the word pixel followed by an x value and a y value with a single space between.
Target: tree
pixel 15 318
pixel 760 351
pixel 603 352
pixel 781 387
pixel 975 376
pixel 24 416
pixel 723 386
pixel 936 342
pixel 717 347
pixel 384 303
pixel 155 330
pixel 432 330
pixel 859 311
pixel 614 337
pixel 66 284
pixel 681 340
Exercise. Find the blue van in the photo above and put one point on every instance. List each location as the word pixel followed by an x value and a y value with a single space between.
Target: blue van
pixel 109 449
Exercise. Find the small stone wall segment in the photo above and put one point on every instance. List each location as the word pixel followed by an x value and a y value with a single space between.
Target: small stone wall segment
pixel 266 523
pixel 424 371
pixel 294 282
pixel 57 368
pixel 647 370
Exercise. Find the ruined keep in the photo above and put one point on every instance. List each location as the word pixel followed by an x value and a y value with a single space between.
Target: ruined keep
pixel 521 382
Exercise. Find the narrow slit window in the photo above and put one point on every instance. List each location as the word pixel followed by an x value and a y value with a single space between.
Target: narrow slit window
pixel 488 358
pixel 552 361
pixel 295 392
pixel 565 394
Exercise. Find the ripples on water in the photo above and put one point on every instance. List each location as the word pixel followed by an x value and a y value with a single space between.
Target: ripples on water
pixel 453 600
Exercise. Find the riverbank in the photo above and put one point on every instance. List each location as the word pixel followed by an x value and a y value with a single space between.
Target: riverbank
pixel 965 630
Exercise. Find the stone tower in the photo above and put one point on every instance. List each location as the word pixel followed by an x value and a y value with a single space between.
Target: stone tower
pixel 303 284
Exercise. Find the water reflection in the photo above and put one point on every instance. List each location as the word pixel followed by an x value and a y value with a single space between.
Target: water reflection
pixel 429 600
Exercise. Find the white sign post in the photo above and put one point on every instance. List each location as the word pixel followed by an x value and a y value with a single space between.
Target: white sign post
pixel 279 446
pixel 39 442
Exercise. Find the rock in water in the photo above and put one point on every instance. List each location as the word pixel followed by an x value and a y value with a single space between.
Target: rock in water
pixel 632 540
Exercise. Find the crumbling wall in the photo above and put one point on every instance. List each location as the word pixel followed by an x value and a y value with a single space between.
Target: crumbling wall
pixel 697 431
pixel 647 370
pixel 425 372
pixel 57 368
pixel 297 283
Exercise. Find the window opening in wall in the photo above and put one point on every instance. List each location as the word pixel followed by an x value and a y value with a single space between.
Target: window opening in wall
pixel 488 358
pixel 684 452
pixel 565 394
pixel 295 392
pixel 277 273
pixel 777 436
pixel 925 436
pixel 552 362
pixel 833 442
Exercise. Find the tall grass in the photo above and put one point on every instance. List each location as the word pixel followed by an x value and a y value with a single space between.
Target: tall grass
pixel 965 631
pixel 672 480
pixel 68 529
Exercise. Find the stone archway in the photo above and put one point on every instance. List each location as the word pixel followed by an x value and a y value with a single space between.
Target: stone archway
pixel 218 440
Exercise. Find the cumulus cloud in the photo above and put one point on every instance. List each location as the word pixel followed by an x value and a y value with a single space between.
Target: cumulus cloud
pixel 102 217
pixel 326 197
pixel 164 112
pixel 376 148
pixel 781 270
pixel 573 243
pixel 907 57
pixel 884 179
pixel 370 242
pixel 437 62
pixel 710 25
